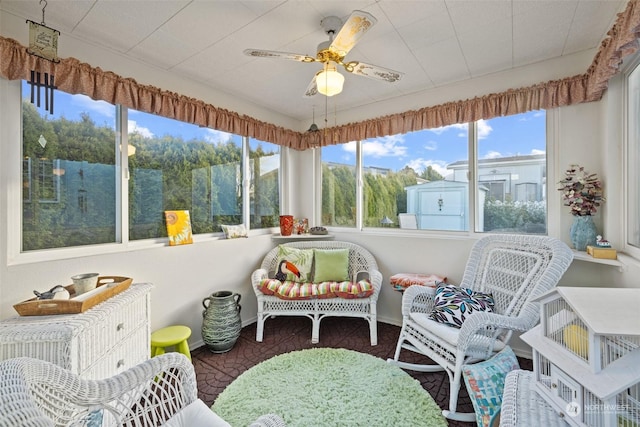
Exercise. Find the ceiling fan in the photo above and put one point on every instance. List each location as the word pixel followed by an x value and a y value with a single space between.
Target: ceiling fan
pixel 331 53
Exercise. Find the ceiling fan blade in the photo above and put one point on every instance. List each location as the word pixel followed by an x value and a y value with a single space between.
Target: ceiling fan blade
pixel 312 89
pixel 357 25
pixel 259 53
pixel 373 71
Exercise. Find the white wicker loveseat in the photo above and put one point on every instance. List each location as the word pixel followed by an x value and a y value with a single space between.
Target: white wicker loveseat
pixel 362 265
pixel 161 391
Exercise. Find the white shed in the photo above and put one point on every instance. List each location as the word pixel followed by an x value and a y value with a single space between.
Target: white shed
pixel 442 205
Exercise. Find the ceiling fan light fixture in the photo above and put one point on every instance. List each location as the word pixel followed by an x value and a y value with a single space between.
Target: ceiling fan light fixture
pixel 329 81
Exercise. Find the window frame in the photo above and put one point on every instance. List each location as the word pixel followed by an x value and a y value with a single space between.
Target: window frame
pixel 11 96
pixel 629 146
pixel 553 203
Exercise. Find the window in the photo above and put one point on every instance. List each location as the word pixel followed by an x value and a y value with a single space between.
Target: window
pixel 71 175
pixel 511 169
pixel 633 158
pixel 180 166
pixel 339 185
pixel 416 179
pixel 264 182
pixel 69 179
pixel 424 176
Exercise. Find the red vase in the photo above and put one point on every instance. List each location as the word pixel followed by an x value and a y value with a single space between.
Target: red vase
pixel 286 225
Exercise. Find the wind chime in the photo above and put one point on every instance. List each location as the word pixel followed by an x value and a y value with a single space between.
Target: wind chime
pixel 43 42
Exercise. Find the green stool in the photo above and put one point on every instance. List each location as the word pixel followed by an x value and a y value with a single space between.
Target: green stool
pixel 171 336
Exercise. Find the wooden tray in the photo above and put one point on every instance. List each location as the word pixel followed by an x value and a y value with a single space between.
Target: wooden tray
pixel 107 287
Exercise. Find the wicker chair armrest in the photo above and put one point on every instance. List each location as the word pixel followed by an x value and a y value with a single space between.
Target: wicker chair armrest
pixel 417 299
pixel 480 325
pixel 375 277
pixel 135 396
pixel 256 277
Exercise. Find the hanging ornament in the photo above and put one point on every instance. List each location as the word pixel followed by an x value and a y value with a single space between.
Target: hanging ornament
pixel 43 42
pixel 47 84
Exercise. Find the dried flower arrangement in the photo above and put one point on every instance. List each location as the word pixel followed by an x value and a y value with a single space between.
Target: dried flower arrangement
pixel 581 191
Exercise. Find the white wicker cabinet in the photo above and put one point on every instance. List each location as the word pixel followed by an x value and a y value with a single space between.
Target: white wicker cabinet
pixel 102 341
pixel 586 355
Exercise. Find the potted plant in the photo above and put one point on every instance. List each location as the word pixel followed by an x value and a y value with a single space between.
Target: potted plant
pixel 582 192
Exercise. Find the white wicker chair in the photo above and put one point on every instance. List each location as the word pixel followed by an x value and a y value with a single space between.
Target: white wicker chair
pixel 361 265
pixel 515 269
pixel 36 393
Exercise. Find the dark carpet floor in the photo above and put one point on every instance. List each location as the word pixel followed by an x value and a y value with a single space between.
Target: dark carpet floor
pixel 284 334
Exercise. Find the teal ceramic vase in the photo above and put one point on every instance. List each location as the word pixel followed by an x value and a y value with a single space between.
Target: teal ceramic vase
pixel 583 232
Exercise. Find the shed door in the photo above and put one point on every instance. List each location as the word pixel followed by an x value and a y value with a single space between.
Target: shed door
pixel 448 215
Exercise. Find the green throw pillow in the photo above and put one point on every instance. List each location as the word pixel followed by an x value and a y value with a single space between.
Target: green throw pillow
pixel 332 265
pixel 302 259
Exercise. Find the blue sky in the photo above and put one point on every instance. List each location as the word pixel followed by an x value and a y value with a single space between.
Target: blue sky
pixel 499 137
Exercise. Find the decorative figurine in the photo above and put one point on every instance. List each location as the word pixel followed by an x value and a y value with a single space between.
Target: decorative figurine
pixel 57 292
pixel 602 243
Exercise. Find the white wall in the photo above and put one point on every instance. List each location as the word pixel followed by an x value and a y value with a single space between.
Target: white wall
pixel 588 134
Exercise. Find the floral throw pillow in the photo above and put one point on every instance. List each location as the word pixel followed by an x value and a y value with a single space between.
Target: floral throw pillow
pixel 234 231
pixel 453 304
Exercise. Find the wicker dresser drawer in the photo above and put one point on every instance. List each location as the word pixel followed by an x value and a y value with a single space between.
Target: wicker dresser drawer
pixel 79 342
pixel 102 337
pixel 126 354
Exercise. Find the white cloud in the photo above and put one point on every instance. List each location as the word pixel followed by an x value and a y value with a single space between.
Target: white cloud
pixel 420 165
pixel 442 129
pixel 213 136
pixel 492 155
pixel 483 129
pixel 133 127
pixel 84 103
pixel 349 147
pixel 388 146
pixel 536 151
pixel 431 145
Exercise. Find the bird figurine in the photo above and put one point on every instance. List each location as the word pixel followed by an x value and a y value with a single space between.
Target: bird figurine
pixel 57 292
pixel 286 267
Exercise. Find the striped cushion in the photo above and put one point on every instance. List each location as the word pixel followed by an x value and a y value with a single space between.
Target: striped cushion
pixel 294 290
pixel 361 289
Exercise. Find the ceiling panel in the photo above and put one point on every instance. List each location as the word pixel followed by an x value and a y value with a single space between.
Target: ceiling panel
pixel 122 25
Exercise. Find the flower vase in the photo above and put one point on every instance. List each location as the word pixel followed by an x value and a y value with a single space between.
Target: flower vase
pixel 221 325
pixel 583 232
pixel 286 225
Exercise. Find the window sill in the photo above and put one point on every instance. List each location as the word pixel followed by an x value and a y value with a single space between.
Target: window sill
pixel 583 256
pixel 297 237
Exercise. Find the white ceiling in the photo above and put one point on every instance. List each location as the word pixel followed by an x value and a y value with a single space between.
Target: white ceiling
pixel 434 42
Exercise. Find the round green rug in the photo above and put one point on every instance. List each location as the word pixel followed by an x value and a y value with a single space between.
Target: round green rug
pixel 328 387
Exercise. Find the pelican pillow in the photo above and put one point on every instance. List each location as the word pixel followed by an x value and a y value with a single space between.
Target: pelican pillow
pixel 293 264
